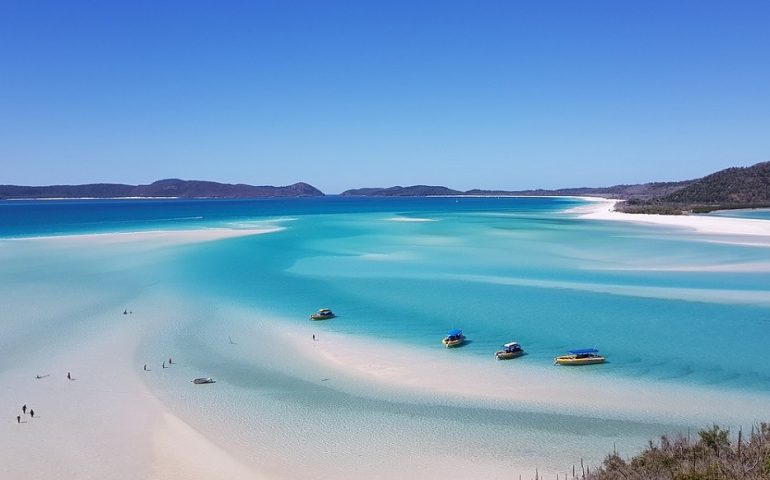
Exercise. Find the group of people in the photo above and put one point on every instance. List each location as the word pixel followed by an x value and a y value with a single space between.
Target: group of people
pixel 170 362
pixel 32 412
pixel 24 412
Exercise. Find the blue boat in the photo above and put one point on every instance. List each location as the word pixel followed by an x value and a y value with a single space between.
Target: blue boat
pixel 454 338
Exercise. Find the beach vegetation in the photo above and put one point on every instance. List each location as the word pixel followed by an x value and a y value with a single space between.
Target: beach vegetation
pixel 714 455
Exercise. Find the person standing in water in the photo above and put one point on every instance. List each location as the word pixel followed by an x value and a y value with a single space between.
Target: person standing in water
pixel 24 408
pixel 69 377
pixel 31 413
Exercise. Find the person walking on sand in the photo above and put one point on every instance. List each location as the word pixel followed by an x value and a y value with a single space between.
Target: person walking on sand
pixel 18 418
pixel 69 377
pixel 24 408
pixel 31 413
pixel 314 337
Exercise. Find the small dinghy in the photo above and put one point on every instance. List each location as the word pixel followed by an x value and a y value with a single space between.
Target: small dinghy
pixel 202 380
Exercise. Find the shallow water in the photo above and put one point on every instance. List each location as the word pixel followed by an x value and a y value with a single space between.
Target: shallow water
pixel 759 213
pixel 667 308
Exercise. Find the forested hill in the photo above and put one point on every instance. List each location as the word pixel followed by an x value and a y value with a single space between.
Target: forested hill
pixel 732 186
pixel 737 187
pixel 170 188
pixel 398 191
pixel 641 191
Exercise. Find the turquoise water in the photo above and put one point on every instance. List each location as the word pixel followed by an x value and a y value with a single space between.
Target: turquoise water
pixel 760 213
pixel 499 268
pixel 539 278
pixel 667 307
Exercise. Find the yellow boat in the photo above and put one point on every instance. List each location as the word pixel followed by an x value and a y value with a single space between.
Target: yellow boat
pixel 584 356
pixel 454 338
pixel 322 314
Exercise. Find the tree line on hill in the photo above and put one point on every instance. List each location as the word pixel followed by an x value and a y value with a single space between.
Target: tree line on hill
pixel 737 187
pixel 169 188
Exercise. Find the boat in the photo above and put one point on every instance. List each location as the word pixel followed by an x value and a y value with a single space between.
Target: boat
pixel 454 338
pixel 202 380
pixel 322 314
pixel 509 350
pixel 583 356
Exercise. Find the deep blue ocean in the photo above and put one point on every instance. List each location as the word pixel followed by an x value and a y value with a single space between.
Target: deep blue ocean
pixel 19 218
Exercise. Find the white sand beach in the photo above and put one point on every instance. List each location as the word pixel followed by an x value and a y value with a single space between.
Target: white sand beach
pixel 751 231
pixel 103 422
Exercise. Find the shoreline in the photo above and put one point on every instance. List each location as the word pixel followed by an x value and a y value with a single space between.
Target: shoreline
pixel 406 370
pixel 364 370
pixel 603 209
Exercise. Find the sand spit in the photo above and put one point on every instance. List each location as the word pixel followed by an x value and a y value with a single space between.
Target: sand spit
pixel 155 237
pixel 754 231
pixel 520 385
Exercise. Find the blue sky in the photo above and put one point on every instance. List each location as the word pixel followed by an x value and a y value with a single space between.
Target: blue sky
pixel 342 94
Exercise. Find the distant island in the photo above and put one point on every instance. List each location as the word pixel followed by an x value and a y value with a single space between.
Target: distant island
pixel 169 188
pixel 736 187
pixel 638 191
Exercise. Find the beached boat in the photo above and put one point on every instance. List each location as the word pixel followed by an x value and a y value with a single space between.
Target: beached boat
pixel 454 338
pixel 509 350
pixel 583 356
pixel 202 380
pixel 322 314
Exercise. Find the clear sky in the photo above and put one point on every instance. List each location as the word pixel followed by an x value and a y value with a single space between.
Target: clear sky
pixel 341 94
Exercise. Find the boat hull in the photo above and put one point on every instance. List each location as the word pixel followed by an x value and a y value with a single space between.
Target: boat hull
pixel 573 361
pixel 453 343
pixel 508 355
pixel 203 381
pixel 321 317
